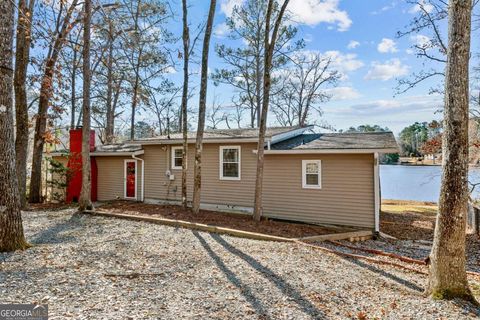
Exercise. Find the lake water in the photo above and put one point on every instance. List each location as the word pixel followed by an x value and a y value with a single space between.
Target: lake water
pixel 421 183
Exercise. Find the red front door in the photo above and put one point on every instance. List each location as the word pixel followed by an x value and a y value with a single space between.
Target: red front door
pixel 130 174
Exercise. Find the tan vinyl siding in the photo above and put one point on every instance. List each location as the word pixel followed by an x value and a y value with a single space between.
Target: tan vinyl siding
pixel 346 196
pixel 214 191
pixel 111 176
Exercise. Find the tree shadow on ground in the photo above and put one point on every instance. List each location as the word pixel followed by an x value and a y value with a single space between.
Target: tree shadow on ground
pixel 244 289
pixel 410 285
pixel 53 234
pixel 279 282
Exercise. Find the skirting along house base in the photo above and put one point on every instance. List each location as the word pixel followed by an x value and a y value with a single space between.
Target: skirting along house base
pixel 310 177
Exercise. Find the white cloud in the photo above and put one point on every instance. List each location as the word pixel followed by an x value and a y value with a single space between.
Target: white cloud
pixel 221 30
pixel 343 93
pixel 420 40
pixel 344 62
pixel 310 12
pixel 353 44
pixel 401 106
pixel 388 70
pixel 227 6
pixel 385 8
pixel 313 12
pixel 387 45
pixel 422 5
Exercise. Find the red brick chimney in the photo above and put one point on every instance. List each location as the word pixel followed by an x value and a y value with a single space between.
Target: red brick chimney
pixel 74 186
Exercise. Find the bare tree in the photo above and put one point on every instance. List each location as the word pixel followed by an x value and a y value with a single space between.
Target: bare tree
pixel 64 23
pixel 85 201
pixel 144 47
pixel 215 115
pixel 22 58
pixel 244 65
pixel 430 45
pixel 197 184
pixel 269 51
pixel 11 229
pixel 447 276
pixel 186 56
pixel 301 88
pixel 114 84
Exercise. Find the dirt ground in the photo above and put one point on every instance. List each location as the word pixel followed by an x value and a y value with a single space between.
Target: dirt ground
pixel 227 220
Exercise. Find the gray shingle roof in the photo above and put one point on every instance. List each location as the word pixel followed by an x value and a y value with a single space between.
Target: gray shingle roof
pixel 318 141
pixel 121 147
pixel 223 134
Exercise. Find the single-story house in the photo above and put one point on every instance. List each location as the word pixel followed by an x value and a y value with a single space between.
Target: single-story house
pixel 329 178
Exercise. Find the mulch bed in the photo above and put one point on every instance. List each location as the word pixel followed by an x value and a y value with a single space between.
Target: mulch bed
pixel 220 219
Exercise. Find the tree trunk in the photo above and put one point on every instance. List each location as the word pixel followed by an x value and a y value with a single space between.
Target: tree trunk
pixel 258 96
pixel 74 91
pixel 22 57
pixel 11 229
pixel 46 91
pixel 109 128
pixel 134 106
pixel 85 201
pixel 184 126
pixel 197 183
pixel 40 129
pixel 269 50
pixel 447 276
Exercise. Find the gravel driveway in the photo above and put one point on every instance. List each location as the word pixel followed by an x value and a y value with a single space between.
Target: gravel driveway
pixel 89 267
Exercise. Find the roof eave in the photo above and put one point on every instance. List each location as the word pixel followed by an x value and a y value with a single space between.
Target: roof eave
pixel 101 154
pixel 189 141
pixel 331 151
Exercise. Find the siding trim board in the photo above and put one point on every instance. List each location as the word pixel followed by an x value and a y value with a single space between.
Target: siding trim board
pixel 376 183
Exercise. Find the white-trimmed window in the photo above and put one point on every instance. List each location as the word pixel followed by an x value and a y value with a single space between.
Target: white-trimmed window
pixel 230 166
pixel 177 153
pixel 312 174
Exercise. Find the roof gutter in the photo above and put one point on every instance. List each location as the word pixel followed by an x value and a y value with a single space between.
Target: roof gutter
pixel 329 151
pixel 179 141
pixel 100 154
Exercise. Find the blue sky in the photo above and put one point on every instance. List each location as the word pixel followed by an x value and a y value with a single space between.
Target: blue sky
pixel 361 35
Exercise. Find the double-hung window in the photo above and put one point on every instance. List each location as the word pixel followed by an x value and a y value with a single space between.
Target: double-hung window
pixel 312 174
pixel 177 153
pixel 230 166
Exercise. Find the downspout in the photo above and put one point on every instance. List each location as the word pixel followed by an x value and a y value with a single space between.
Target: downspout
pixel 143 175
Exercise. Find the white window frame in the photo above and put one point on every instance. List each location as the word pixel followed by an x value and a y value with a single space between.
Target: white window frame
pixel 126 161
pixel 173 158
pixel 222 177
pixel 304 174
